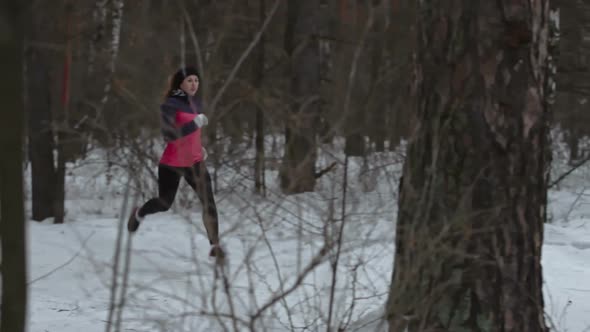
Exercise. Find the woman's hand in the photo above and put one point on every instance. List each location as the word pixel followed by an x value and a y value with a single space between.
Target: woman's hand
pixel 204 153
pixel 201 120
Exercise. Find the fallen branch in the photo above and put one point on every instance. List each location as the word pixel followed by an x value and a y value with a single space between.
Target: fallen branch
pixel 317 175
pixel 570 171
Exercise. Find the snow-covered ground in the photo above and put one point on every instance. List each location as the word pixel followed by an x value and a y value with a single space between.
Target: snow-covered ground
pixel 174 286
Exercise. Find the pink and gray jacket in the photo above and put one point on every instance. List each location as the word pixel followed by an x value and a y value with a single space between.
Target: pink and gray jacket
pixel 181 133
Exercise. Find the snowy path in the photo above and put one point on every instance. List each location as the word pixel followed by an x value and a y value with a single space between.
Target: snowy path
pixel 172 285
pixel 168 288
pixel 163 276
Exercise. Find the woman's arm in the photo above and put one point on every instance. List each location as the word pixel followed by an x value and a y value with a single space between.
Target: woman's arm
pixel 169 129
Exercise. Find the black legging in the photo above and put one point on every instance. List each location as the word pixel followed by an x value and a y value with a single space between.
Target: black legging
pixel 200 180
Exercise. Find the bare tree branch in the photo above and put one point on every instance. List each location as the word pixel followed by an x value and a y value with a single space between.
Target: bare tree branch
pixel 243 57
pixel 316 261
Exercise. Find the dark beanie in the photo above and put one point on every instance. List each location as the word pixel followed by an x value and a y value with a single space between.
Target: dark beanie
pixel 181 74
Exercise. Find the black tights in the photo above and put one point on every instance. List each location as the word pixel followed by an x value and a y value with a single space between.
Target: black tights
pixel 200 180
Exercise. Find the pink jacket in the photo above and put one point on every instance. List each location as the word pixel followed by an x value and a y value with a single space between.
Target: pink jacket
pixel 184 147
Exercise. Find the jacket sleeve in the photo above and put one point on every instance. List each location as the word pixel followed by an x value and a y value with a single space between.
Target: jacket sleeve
pixel 169 129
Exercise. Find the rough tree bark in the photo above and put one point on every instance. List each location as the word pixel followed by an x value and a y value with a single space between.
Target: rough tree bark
pixel 474 189
pixel 12 215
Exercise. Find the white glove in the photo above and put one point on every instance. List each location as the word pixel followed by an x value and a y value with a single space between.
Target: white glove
pixel 201 120
pixel 204 153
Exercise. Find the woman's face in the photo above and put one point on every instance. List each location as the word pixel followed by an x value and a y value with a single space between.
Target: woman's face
pixel 190 85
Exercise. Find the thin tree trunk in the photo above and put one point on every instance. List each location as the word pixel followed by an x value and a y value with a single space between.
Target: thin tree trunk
pixel 60 188
pixel 99 16
pixel 573 142
pixel 474 191
pixel 62 125
pixel 377 99
pixel 401 45
pixel 377 103
pixel 117 22
pixel 12 216
pixel 571 107
pixel 326 29
pixel 297 172
pixel 40 133
pixel 259 182
pixel 356 94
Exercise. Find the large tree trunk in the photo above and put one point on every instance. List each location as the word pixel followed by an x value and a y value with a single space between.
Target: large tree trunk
pixel 297 172
pixel 474 191
pixel 12 215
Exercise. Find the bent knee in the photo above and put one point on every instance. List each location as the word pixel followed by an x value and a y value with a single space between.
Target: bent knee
pixel 164 205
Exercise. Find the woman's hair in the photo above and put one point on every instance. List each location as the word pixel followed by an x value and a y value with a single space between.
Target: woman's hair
pixel 179 77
